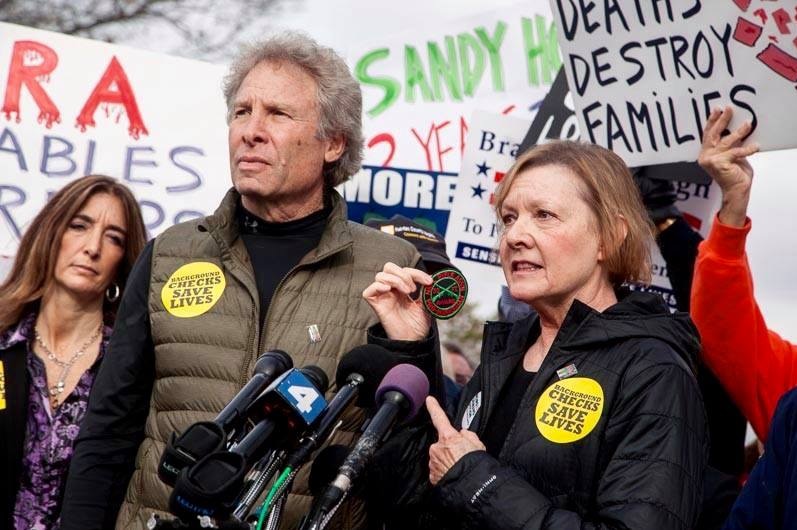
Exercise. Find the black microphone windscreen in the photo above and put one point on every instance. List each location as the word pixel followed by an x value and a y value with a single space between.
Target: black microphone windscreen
pixel 318 377
pixel 370 361
pixel 325 467
pixel 273 362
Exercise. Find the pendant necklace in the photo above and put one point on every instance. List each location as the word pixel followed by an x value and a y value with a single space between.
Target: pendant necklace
pixel 58 388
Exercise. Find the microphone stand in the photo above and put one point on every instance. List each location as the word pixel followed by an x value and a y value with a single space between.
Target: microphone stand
pixel 264 472
pixel 274 517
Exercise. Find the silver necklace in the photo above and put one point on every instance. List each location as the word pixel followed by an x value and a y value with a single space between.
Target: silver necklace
pixel 58 388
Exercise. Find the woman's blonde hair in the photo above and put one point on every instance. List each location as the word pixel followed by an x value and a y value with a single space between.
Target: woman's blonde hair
pixel 610 193
pixel 39 247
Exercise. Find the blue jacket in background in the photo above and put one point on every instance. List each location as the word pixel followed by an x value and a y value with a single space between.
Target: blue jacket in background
pixel 769 499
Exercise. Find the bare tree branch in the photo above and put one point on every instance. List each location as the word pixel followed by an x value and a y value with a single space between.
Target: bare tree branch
pixel 203 29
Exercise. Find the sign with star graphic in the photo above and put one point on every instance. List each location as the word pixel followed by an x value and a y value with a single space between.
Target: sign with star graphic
pixel 472 238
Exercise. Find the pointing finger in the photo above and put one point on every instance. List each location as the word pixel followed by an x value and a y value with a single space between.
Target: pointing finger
pixel 439 418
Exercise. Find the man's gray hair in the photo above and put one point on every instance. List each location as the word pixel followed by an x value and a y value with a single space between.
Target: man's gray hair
pixel 339 95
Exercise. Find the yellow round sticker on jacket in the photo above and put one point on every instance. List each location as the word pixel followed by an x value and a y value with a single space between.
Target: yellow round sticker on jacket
pixel 569 409
pixel 193 289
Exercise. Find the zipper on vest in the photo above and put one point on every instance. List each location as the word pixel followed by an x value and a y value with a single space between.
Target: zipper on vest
pixel 252 352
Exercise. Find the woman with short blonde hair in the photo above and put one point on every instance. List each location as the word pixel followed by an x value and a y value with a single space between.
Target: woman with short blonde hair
pixel 584 415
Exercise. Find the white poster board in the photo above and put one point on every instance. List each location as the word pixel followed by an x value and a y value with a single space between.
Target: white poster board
pixel 72 107
pixel 420 87
pixel 472 237
pixel 645 75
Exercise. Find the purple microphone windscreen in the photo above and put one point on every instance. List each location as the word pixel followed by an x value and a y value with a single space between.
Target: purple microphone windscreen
pixel 410 381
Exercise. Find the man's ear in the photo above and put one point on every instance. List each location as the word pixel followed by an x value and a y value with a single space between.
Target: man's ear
pixel 335 147
pixel 620 232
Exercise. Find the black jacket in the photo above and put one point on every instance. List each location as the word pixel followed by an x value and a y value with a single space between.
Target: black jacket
pixel 13 420
pixel 640 465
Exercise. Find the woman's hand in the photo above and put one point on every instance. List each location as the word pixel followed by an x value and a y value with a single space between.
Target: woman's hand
pixel 451 444
pixel 389 296
pixel 725 159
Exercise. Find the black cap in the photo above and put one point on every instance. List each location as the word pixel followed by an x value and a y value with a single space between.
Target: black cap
pixel 429 243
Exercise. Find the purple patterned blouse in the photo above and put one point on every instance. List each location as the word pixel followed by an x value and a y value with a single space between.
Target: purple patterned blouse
pixel 49 436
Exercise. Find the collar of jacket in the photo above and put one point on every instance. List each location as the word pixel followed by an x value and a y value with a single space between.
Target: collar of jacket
pixel 635 315
pixel 223 226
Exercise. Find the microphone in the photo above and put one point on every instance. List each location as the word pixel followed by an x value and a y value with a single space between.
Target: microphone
pixel 325 467
pixel 373 363
pixel 268 367
pixel 357 375
pixel 400 396
pixel 296 399
pixel 206 437
pixel 287 407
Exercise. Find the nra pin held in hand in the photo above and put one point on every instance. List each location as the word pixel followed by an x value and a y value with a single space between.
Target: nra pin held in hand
pixel 446 296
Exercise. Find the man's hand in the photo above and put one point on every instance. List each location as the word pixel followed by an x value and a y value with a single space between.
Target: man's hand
pixel 389 296
pixel 725 159
pixel 451 444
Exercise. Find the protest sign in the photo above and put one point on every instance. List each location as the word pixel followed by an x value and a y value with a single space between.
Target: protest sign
pixel 419 89
pixel 556 117
pixel 472 238
pixel 73 107
pixel 645 74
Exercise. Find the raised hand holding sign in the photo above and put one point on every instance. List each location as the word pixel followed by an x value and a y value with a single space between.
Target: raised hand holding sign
pixel 725 159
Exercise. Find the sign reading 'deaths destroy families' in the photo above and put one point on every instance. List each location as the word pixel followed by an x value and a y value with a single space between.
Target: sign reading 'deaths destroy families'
pixel 645 73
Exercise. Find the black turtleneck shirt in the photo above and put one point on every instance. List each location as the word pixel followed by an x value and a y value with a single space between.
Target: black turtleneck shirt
pixel 276 248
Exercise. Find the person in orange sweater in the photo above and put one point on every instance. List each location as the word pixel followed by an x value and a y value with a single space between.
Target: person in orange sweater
pixel 754 364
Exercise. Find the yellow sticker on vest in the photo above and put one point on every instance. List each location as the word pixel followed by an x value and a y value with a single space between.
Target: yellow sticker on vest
pixel 568 410
pixel 193 289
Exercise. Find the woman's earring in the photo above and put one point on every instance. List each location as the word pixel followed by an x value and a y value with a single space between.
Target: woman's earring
pixel 112 292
